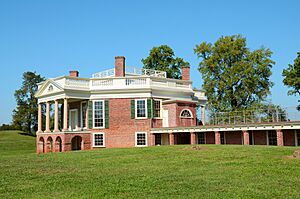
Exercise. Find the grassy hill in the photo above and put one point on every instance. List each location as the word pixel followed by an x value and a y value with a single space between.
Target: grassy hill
pixel 152 172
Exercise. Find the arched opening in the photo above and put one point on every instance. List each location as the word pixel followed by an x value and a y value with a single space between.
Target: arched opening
pixel 58 144
pixel 76 143
pixel 49 144
pixel 186 118
pixel 41 145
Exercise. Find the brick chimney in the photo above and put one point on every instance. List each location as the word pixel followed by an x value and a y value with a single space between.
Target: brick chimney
pixel 119 66
pixel 185 72
pixel 74 73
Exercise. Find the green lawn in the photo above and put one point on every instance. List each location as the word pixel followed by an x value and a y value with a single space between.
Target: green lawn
pixel 153 172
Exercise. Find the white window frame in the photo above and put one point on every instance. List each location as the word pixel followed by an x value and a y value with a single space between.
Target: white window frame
pixel 103 112
pixel 99 133
pixel 188 111
pixel 146 109
pixel 81 116
pixel 146 139
pixel 160 114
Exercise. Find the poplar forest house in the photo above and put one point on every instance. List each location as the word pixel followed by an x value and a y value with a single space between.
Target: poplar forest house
pixel 134 107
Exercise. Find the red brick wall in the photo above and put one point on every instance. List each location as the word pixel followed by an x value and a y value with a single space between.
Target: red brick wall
pixel 210 137
pixel 174 110
pixel 119 66
pixel 288 137
pixel 233 137
pixel 66 141
pixel 260 137
pixel 121 131
pixel 185 73
pixel 156 123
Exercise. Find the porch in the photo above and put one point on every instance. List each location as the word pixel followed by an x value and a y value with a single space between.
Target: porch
pixel 278 134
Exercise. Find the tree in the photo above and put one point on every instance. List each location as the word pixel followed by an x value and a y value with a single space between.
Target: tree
pixel 26 113
pixel 292 77
pixel 163 58
pixel 234 77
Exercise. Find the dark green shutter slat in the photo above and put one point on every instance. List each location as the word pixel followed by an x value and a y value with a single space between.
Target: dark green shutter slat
pixel 153 109
pixel 90 114
pixel 149 107
pixel 106 114
pixel 132 109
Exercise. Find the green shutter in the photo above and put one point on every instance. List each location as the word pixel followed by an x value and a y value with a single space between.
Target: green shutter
pixel 90 114
pixel 153 109
pixel 132 109
pixel 150 108
pixel 106 114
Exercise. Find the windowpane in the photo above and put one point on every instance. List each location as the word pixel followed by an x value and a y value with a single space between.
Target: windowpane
pixel 99 139
pixel 98 114
pixel 157 108
pixel 186 113
pixel 141 139
pixel 141 108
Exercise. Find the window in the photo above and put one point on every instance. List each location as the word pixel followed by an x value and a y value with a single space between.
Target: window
pixel 98 114
pixel 272 136
pixel 186 113
pixel 50 88
pixel 98 140
pixel 140 139
pixel 157 108
pixel 83 114
pixel 141 108
pixel 201 138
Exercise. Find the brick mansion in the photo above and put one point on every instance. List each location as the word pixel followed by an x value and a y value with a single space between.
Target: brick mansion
pixel 133 107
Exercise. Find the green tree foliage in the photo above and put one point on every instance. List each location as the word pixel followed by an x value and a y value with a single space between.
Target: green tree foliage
pixel 292 77
pixel 234 77
pixel 163 58
pixel 26 112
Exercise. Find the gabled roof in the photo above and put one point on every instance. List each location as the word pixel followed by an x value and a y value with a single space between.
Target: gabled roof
pixel 46 84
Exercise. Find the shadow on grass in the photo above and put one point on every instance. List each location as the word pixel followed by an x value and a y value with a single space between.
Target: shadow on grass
pixel 27 134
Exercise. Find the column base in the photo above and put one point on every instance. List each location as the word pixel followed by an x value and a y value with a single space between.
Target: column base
pixel 64 130
pixel 56 131
pixel 47 131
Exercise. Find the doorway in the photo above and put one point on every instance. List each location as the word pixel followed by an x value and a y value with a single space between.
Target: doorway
pixel 73 119
pixel 76 143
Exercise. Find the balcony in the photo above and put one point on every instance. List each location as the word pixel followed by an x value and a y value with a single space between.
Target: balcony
pixel 110 83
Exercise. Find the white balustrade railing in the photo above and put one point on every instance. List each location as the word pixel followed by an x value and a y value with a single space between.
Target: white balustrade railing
pixel 105 82
pixel 77 83
pixel 106 73
pixel 124 82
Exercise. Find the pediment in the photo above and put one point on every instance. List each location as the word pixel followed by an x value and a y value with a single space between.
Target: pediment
pixel 49 87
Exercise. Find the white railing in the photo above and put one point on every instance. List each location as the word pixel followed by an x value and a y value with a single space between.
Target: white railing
pixel 99 82
pixel 77 83
pixel 144 71
pixel 106 73
pixel 122 83
pixel 131 70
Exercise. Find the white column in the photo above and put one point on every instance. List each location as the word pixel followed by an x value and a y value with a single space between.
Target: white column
pixel 47 130
pixel 65 115
pixel 203 114
pixel 40 118
pixel 56 116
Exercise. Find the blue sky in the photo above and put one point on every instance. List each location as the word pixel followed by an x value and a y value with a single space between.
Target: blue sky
pixel 53 37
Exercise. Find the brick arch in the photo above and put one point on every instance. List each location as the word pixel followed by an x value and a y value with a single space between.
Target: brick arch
pixel 76 143
pixel 41 145
pixel 49 144
pixel 58 144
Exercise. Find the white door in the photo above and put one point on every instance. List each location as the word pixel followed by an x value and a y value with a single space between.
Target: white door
pixel 73 120
pixel 165 118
